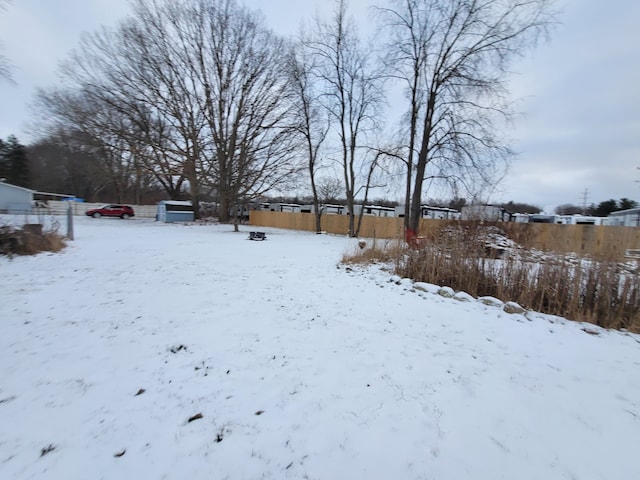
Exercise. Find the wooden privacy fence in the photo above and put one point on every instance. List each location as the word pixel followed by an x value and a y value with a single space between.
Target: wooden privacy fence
pixel 372 227
pixel 596 240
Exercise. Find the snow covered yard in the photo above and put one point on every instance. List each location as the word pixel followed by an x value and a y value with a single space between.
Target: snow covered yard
pixel 152 351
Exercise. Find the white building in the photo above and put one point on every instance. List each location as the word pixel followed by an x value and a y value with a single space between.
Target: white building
pixel 427 211
pixel 14 199
pixel 625 218
pixel 579 220
pixel 520 218
pixel 285 207
pixel 542 218
pixel 374 210
pixel 439 213
pixel 487 213
pixel 333 209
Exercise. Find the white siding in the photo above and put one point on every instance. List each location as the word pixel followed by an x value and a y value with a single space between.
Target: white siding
pixel 14 199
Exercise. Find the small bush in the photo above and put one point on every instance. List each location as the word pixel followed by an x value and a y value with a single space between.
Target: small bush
pixel 374 251
pixel 28 240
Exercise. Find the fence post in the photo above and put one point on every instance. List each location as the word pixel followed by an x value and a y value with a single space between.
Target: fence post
pixel 70 221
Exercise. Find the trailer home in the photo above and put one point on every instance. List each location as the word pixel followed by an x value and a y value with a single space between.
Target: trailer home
pixel 487 213
pixel 285 207
pixel 439 213
pixel 374 210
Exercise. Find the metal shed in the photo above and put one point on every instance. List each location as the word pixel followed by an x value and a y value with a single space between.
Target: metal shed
pixel 14 199
pixel 170 211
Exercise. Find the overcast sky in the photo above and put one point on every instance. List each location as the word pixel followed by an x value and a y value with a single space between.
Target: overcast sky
pixel 580 91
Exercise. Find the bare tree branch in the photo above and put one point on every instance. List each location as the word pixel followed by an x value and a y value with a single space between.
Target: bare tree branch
pixel 351 92
pixel 454 56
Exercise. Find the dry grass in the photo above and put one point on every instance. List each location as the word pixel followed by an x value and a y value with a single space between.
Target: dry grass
pixel 482 262
pixel 374 251
pixel 29 240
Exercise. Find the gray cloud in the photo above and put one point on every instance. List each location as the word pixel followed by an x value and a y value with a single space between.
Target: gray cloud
pixel 582 126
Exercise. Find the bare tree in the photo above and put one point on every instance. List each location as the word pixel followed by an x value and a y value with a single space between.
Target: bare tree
pixel 239 64
pixel 193 89
pixel 568 209
pixel 312 122
pixel 329 188
pixel 117 88
pixel 351 93
pixel 5 67
pixel 453 57
pixel 372 168
pixel 97 130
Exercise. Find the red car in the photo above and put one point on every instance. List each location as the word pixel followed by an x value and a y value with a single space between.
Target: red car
pixel 122 211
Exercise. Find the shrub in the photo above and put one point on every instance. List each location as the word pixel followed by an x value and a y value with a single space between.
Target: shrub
pixel 29 240
pixel 374 251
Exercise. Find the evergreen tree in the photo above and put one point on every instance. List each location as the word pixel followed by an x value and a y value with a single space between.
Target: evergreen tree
pixel 4 162
pixel 605 208
pixel 626 204
pixel 14 163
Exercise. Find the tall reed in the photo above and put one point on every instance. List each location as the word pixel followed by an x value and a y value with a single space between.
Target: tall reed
pixel 482 261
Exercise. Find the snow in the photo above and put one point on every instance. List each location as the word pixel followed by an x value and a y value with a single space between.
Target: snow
pixel 299 366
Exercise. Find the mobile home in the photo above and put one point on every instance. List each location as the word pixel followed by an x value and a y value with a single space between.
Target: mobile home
pixel 285 207
pixel 487 213
pixel 374 210
pixel 439 213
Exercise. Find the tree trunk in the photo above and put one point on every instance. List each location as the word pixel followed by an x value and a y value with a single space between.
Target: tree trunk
pixel 421 166
pixel 316 205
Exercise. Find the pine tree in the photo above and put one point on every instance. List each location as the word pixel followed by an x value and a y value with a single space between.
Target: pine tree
pixel 14 163
pixel 4 162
